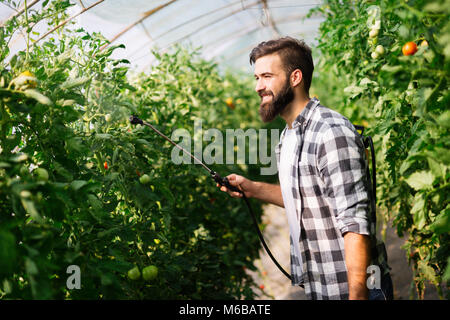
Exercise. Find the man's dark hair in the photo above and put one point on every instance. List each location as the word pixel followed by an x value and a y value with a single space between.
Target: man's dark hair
pixel 294 54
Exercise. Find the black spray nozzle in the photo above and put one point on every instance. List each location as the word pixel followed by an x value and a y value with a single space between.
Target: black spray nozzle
pixel 224 182
pixel 136 120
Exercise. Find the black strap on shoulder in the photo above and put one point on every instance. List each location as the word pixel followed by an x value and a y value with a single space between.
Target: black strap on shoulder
pixel 368 143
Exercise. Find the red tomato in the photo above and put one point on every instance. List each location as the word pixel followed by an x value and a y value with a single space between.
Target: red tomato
pixel 409 48
pixel 106 165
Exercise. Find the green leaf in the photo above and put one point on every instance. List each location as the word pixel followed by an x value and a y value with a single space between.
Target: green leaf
pixel 424 94
pixel 71 83
pixel 19 157
pixel 444 119
pixel 77 184
pixel 446 276
pixel 167 193
pixel 36 95
pixel 62 171
pixel 31 209
pixel 31 267
pixel 353 90
pixel 435 167
pixel 104 136
pixel 8 253
pixel 4 165
pixel 418 211
pixel 435 6
pixel 427 271
pixel 442 154
pixel 391 69
pixel 75 145
pixel 442 222
pixel 420 180
pixel 7 286
pixel 95 202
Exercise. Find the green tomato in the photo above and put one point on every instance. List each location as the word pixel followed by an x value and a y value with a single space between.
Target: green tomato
pixel 375 55
pixel 379 49
pixel 150 273
pixel 41 174
pixel 144 179
pixel 107 117
pixel 134 274
pixel 373 33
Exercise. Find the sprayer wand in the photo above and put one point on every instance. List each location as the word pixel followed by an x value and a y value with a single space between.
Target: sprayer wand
pixel 221 181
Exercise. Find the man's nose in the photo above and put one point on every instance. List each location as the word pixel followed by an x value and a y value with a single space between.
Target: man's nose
pixel 259 86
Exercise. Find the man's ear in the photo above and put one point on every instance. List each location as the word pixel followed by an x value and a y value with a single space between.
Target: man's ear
pixel 296 77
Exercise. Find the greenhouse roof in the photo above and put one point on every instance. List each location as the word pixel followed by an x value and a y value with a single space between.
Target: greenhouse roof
pixel 226 30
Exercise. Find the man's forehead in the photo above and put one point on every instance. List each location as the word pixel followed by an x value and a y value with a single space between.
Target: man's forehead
pixel 270 63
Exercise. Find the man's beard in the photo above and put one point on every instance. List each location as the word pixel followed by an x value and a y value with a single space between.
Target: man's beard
pixel 269 110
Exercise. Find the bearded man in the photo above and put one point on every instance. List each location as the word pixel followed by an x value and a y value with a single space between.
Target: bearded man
pixel 324 186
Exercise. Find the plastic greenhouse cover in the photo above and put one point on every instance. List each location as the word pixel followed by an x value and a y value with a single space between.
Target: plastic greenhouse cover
pixel 226 30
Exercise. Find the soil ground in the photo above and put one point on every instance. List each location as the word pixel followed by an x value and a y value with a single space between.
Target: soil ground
pixel 277 286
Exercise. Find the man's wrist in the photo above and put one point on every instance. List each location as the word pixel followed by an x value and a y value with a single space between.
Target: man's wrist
pixel 253 188
pixel 358 293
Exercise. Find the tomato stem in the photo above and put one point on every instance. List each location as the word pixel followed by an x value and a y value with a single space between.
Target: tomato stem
pixel 99 162
pixel 4 123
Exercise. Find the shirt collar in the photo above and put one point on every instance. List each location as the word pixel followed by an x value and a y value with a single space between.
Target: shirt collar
pixel 301 119
pixel 306 113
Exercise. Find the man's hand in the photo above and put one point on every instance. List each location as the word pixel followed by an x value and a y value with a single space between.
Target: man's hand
pixel 357 259
pixel 266 192
pixel 242 183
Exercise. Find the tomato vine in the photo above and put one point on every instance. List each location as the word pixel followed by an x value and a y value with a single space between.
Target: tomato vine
pixel 403 99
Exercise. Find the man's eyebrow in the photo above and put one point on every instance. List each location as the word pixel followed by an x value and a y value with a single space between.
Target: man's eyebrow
pixel 263 74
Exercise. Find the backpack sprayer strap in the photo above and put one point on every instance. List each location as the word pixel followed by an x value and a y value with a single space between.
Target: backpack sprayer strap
pixel 368 143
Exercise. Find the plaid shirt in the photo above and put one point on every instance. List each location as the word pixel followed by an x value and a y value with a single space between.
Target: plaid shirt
pixel 332 198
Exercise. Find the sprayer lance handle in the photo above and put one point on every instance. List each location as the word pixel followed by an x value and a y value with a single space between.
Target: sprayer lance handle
pixel 224 182
pixel 136 120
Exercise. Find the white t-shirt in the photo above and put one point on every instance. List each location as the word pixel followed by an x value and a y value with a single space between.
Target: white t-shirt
pixel 287 157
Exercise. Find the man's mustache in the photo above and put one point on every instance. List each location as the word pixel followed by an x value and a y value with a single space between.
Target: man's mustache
pixel 265 93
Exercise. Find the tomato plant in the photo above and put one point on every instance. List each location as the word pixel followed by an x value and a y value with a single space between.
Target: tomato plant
pixel 70 164
pixel 404 102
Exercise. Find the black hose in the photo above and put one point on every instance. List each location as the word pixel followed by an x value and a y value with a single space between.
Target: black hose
pixel 261 238
pixel 225 182
pixel 374 168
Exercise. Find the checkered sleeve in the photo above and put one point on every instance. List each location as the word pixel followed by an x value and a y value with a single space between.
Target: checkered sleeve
pixel 342 168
